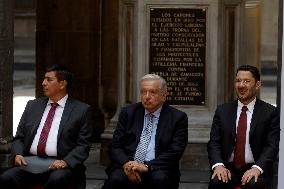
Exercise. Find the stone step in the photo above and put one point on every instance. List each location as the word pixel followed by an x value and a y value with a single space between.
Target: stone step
pixel 269 80
pixel 24 78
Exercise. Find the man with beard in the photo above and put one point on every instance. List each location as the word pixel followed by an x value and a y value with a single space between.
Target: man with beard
pixel 148 142
pixel 244 138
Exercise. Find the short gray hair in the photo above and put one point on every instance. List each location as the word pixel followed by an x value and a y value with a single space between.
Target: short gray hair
pixel 155 77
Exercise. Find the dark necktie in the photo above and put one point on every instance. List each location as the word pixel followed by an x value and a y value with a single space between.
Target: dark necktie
pixel 239 153
pixel 45 130
pixel 141 149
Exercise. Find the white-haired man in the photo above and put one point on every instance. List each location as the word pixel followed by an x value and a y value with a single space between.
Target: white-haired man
pixel 148 142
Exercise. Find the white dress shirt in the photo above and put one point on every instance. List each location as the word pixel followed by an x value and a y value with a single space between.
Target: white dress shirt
pixel 51 143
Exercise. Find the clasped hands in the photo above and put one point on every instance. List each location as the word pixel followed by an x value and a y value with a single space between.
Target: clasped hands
pixel 224 174
pixel 133 170
pixel 57 164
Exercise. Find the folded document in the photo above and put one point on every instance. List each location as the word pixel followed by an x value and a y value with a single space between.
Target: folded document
pixel 37 164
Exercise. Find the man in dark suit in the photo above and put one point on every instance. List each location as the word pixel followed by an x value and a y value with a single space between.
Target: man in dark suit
pixel 55 126
pixel 157 165
pixel 244 137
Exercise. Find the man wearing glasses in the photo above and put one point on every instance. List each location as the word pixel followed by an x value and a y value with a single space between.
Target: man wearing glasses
pixel 244 138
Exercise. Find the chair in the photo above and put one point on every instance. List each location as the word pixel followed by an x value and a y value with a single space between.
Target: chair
pixel 36 186
pixel 238 187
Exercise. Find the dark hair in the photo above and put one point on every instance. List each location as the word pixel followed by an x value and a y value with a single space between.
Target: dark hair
pixel 251 69
pixel 62 73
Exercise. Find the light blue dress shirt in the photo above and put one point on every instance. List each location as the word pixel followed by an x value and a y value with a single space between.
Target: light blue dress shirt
pixel 150 154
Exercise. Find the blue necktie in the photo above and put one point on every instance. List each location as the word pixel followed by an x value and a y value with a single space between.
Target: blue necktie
pixel 144 140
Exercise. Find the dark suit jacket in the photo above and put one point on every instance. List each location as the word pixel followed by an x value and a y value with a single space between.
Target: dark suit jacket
pixel 263 137
pixel 171 137
pixel 74 134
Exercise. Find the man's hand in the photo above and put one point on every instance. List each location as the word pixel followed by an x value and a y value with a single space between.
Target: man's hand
pixel 139 167
pixel 133 170
pixel 20 160
pixel 249 174
pixel 132 175
pixel 58 164
pixel 222 173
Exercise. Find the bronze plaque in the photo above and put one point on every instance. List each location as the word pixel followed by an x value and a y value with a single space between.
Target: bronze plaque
pixel 178 52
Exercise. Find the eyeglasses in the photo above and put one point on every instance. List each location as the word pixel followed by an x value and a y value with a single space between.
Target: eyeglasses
pixel 242 81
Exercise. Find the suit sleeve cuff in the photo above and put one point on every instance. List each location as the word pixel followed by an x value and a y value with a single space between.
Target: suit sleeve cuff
pixel 261 171
pixel 217 164
pixel 148 165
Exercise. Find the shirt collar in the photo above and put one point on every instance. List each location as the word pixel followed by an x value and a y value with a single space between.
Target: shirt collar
pixel 61 102
pixel 156 113
pixel 250 106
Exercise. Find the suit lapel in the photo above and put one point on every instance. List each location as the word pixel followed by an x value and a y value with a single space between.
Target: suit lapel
pixel 164 119
pixel 65 115
pixel 38 115
pixel 232 117
pixel 255 115
pixel 139 122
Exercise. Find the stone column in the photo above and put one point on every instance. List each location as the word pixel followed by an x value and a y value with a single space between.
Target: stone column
pixel 250 33
pixel 279 51
pixel 124 69
pixel 6 78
